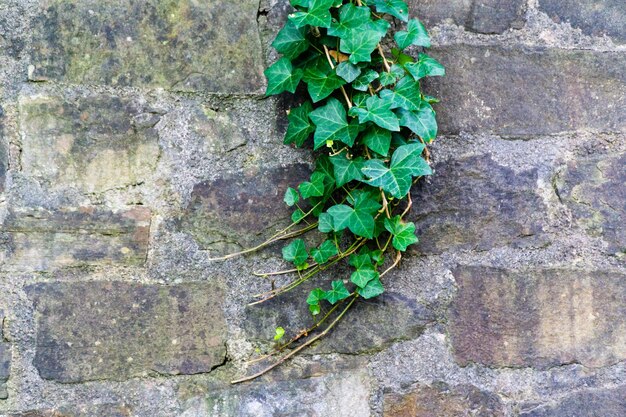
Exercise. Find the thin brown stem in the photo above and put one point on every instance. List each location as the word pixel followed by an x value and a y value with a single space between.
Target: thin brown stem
pixel 395 263
pixel 301 347
pixel 382 54
pixel 343 90
pixel 408 207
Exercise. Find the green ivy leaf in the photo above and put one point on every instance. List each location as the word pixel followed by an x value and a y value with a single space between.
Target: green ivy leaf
pixel 374 288
pixel 421 122
pixel 280 332
pixel 396 179
pixel 425 67
pixel 325 223
pixel 387 78
pixel 348 71
pixel 291 41
pixel 321 84
pixel 337 293
pixel 315 296
pixel 378 140
pixel 281 76
pixel 325 251
pixel 361 277
pixel 415 35
pixel 291 197
pixel 379 112
pixel 332 124
pixel 296 252
pixel 403 233
pixel 360 44
pixel 315 188
pixel 300 126
pixel 396 8
pixel 350 17
pixel 297 216
pixel 406 95
pixel 359 219
pixel 317 15
pixel 364 80
pixel 378 257
pixel 346 169
pixel 360 261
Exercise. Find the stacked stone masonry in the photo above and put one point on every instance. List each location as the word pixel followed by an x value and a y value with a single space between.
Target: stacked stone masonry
pixel 136 143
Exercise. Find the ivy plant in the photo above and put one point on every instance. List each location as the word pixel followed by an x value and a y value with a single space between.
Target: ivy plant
pixel 363 112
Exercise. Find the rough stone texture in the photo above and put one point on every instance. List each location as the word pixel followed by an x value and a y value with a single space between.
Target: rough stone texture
pixel 447 217
pixel 443 401
pixel 104 410
pixel 5 360
pixel 4 157
pixel 367 330
pixel 227 209
pixel 38 239
pixel 595 191
pixel 185 45
pixel 94 144
pixel 538 318
pixel 598 17
pixel 523 91
pixel 605 403
pixel 126 330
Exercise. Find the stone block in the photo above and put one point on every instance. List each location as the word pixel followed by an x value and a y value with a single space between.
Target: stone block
pixel 601 403
pixel 475 203
pixel 94 143
pixel 442 401
pixel 181 45
pixel 538 318
pixel 595 191
pixel 597 17
pixel 526 91
pixel 40 240
pixel 5 360
pixel 113 330
pixel 102 410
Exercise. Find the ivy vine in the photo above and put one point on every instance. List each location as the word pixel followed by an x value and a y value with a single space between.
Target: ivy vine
pixel 370 125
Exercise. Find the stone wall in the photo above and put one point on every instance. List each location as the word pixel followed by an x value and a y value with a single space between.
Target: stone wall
pixel 135 143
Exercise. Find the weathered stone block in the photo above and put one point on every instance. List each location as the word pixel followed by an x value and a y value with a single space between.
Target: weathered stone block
pixel 114 330
pixel 236 208
pixel 483 16
pixel 474 203
pixel 5 360
pixel 364 329
pixel 538 318
pixel 95 144
pixel 102 410
pixel 595 191
pixel 38 239
pixel 443 401
pixel 526 91
pixel 4 157
pixel 182 45
pixel 597 17
pixel 604 403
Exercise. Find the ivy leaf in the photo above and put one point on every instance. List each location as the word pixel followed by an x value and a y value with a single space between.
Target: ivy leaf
pixel 337 293
pixel 325 166
pixel 361 43
pixel 325 251
pixel 403 233
pixel 378 140
pixel 325 223
pixel 281 76
pixel 301 3
pixel 422 122
pixel 415 35
pixel 378 257
pixel 374 288
pixel 397 8
pixel 348 71
pixel 396 179
pixel 425 67
pixel 317 15
pixel 300 127
pixel 297 216
pixel 346 169
pixel 387 78
pixel 295 252
pixel 379 112
pixel 350 18
pixel 280 332
pixel 291 41
pixel 364 80
pixel 406 94
pixel 332 124
pixel 359 219
pixel 315 296
pixel 315 188
pixel 362 260
pixel 362 276
pixel 321 84
pixel 291 197
pixel 365 200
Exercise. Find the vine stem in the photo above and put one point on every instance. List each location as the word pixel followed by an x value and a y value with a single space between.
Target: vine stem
pixel 301 347
pixel 343 90
pixel 380 49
